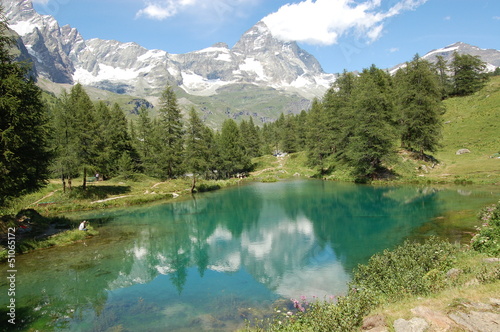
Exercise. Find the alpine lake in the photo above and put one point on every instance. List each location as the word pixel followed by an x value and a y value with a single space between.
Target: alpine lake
pixel 218 259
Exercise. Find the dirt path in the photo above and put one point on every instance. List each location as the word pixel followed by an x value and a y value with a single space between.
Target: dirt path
pixel 46 196
pixel 110 199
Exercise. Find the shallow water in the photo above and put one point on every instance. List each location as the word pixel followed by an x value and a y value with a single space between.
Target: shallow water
pixel 210 263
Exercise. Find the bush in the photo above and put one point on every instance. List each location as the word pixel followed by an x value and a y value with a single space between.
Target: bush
pixel 487 240
pixel 410 269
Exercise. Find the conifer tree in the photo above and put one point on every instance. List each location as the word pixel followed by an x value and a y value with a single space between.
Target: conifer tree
pixel 444 80
pixel 197 152
pixel 169 140
pixel 289 135
pixel 232 155
pixel 64 140
pixel 318 145
pixel 468 74
pixel 144 138
pixel 24 149
pixel 419 106
pixel 374 133
pixel 339 113
pixel 86 129
pixel 253 139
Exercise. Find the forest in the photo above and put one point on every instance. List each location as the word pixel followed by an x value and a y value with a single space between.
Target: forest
pixel 360 124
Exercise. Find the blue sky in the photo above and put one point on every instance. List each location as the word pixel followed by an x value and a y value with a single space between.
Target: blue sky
pixel 341 34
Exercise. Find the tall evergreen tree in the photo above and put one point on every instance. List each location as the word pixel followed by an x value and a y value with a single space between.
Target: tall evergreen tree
pixel 318 145
pixel 86 128
pixel 24 150
pixel 64 140
pixel 444 80
pixel 144 140
pixel 232 155
pixel 197 152
pixel 169 142
pixel 374 134
pixel 113 139
pixel 419 106
pixel 289 135
pixel 468 74
pixel 339 113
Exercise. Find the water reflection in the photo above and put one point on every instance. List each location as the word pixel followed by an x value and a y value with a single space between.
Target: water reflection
pixel 205 263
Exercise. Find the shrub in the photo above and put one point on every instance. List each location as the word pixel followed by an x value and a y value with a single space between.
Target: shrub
pixel 487 240
pixel 410 269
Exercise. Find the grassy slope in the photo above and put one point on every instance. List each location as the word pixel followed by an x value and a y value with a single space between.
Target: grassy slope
pixel 472 123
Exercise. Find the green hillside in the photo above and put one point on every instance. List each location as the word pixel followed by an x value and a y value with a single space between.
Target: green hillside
pixel 240 101
pixel 472 123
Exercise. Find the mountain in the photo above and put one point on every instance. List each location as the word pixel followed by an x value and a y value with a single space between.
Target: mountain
pixel 61 55
pixel 260 76
pixel 490 56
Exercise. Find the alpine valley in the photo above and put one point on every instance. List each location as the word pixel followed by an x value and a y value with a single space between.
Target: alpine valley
pixel 260 76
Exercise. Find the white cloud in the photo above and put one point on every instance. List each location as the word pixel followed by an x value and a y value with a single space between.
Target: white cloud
pixel 218 9
pixel 323 22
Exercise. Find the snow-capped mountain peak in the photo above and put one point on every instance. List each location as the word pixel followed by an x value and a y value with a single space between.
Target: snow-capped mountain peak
pixel 63 56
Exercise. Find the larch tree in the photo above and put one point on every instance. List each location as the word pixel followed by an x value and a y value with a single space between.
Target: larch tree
pixel 374 132
pixel 64 140
pixel 468 74
pixel 24 132
pixel 169 136
pixel 86 127
pixel 419 106
pixel 232 155
pixel 197 151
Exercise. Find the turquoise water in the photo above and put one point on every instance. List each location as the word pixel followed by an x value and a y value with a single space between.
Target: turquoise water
pixel 211 262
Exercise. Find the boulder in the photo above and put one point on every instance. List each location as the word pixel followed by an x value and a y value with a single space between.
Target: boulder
pixel 462 151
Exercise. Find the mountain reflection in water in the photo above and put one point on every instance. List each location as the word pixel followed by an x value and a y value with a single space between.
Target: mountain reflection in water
pixel 206 263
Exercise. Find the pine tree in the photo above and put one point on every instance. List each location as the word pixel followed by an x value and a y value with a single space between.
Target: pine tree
pixel 197 152
pixel 24 132
pixel 233 157
pixel 64 140
pixel 289 135
pixel 86 128
pixel 318 145
pixel 468 74
pixel 144 137
pixel 339 113
pixel 169 141
pixel 419 106
pixel 374 132
pixel 444 81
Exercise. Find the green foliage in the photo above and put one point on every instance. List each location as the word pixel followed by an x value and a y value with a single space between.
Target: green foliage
pixel 419 106
pixel 373 129
pixel 24 132
pixel 169 143
pixel 487 240
pixel 198 142
pixel 233 158
pixel 468 74
pixel 410 269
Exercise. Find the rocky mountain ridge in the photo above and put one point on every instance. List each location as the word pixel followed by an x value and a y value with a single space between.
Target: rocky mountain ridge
pixel 260 76
pixel 61 55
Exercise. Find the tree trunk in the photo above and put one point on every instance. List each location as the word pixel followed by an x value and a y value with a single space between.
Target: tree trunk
pixel 84 186
pixel 63 183
pixel 193 185
pixel 70 185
